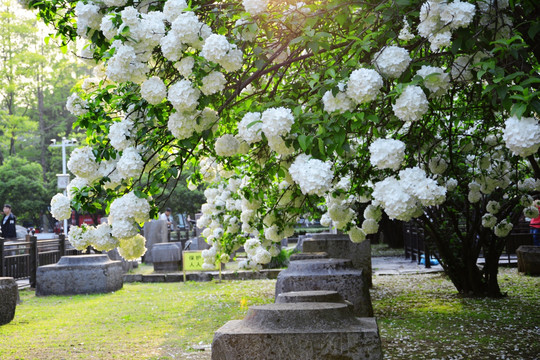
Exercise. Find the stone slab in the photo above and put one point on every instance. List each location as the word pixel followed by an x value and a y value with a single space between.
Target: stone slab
pixel 330 296
pixel 328 274
pixel 9 293
pixel 155 232
pixel 153 278
pixel 166 257
pixel 528 257
pixel 308 256
pixel 300 331
pixel 82 274
pixel 129 278
pixel 340 246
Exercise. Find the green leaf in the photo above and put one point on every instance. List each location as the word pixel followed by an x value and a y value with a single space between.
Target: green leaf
pixel 518 109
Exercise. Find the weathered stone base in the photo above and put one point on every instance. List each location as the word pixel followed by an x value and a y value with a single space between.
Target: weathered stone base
pixel 166 257
pixel 528 259
pixel 84 274
pixel 301 331
pixel 328 274
pixel 9 292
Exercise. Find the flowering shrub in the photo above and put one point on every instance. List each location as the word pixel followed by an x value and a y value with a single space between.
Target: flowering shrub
pixel 338 111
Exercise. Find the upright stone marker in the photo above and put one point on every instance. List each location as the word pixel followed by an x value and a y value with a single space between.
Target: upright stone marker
pixel 328 274
pixel 9 292
pixel 83 274
pixel 167 257
pixel 155 232
pixel 299 331
pixel 528 257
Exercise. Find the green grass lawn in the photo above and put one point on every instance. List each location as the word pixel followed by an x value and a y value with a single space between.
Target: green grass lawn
pixel 419 316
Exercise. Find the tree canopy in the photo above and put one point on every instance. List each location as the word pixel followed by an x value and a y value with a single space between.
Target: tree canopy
pixel 342 110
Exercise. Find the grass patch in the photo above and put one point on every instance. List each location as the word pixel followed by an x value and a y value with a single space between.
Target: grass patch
pixel 419 316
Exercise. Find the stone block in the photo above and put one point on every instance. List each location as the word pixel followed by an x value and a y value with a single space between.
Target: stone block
pixel 155 232
pixel 328 274
pixel 528 257
pixel 82 274
pixel 174 278
pixel 299 331
pixel 153 278
pixel 129 278
pixel 166 257
pixel 308 256
pixel 340 246
pixel 126 264
pixel 9 293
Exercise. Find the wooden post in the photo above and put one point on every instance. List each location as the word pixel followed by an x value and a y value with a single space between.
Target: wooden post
pixel 33 259
pixel 2 257
pixel 62 245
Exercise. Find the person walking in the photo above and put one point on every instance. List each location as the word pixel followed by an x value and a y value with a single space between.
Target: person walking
pixel 167 217
pixel 9 221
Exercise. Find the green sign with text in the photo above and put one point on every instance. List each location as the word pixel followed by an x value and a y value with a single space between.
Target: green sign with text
pixel 193 260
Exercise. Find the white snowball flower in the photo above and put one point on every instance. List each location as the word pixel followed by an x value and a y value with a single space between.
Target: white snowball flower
pixel 392 61
pixel 262 256
pixel 60 207
pixel 397 203
pixel 82 163
pixel 76 106
pixel 173 8
pixel 251 246
pixel 227 145
pixel 130 164
pixel 440 40
pixel 107 27
pixel 76 183
pixel 132 248
pixel 183 96
pixel 120 134
pixel 370 226
pixel 364 85
pixel 153 90
pixel 457 14
pixel 387 153
pixel 340 103
pixel 489 221
pixel 412 104
pixel 255 7
pixel 405 32
pixel 88 17
pixel 125 65
pixel 185 66
pixel 437 165
pixel 522 136
pixel 531 212
pixel 312 175
pixel 502 229
pixel 435 79
pixel 213 83
pixel 373 212
pixel 493 207
pixel 326 220
pixel 250 128
pixel 357 235
pixel 277 121
pixel 217 49
pixel 77 237
pixel 101 238
pixel 451 184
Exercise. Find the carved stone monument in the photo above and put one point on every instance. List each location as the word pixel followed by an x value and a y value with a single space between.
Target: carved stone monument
pixel 155 232
pixel 299 331
pixel 82 274
pixel 328 274
pixel 9 292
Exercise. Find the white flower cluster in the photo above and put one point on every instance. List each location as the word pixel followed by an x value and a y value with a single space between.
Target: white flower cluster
pixel 363 85
pixel 99 237
pixel 387 153
pixel 255 7
pixel 60 207
pixel 312 175
pixel 132 248
pixel 184 96
pixel 227 145
pixel 88 17
pixel 82 163
pixel 531 212
pixel 213 83
pixel 489 220
pixel 276 124
pixel 218 49
pixel 125 65
pixel 340 103
pixel 435 79
pixel 250 128
pixel 121 134
pixel 130 164
pixel 392 61
pixel 438 19
pixel 412 104
pixel 76 183
pixel 522 136
pixel 125 213
pixel 153 90
pixel 76 106
pixel 503 228
pixel 403 199
pixel 405 32
pixel 493 207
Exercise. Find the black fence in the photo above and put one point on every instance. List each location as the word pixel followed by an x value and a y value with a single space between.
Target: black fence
pixel 20 259
pixel 418 249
